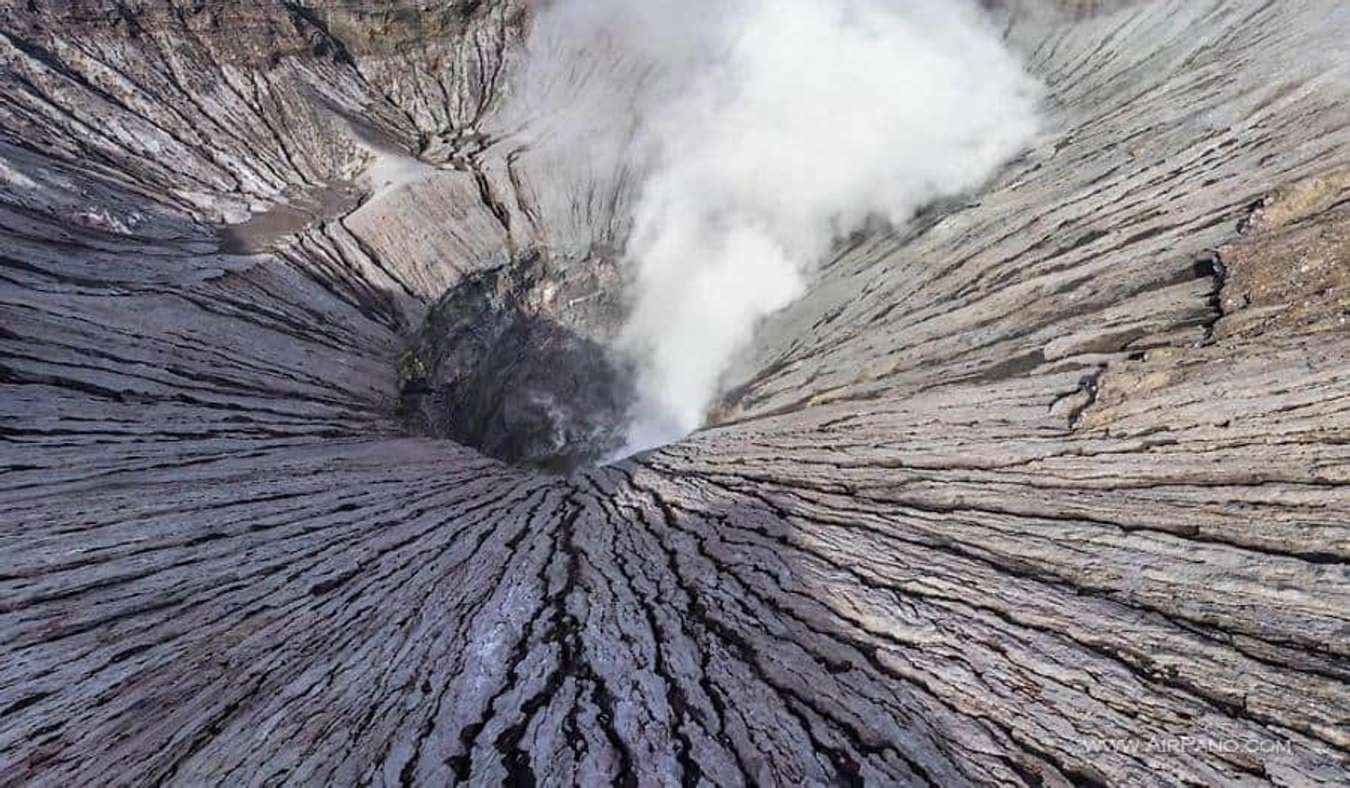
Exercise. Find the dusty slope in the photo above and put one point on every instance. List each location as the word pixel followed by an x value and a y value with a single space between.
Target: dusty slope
pixel 1066 467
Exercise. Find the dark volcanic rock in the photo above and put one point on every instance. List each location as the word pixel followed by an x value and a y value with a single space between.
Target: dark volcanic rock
pixel 515 362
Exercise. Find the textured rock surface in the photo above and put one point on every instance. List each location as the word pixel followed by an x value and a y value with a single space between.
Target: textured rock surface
pixel 1062 468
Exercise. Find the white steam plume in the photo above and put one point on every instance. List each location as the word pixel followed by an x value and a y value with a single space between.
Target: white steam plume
pixel 762 130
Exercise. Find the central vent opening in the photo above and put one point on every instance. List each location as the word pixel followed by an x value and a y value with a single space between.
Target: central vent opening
pixel 516 362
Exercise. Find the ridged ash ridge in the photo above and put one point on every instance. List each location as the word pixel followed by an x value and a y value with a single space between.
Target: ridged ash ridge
pixel 1001 501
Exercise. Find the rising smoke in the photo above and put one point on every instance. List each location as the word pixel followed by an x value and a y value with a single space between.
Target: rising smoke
pixel 758 132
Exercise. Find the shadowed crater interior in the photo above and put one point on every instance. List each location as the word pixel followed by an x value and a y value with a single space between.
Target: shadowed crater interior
pixel 516 362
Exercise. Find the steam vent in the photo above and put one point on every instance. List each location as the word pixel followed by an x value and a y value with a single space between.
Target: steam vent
pixel 309 405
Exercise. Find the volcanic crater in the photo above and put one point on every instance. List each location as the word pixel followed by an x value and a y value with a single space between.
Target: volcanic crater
pixel 290 323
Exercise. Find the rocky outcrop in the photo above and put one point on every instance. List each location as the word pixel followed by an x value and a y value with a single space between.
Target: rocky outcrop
pixel 1049 488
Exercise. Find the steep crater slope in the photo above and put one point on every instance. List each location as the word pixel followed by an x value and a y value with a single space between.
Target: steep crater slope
pixel 1028 493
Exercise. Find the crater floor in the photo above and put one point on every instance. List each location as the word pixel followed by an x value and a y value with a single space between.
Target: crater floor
pixel 1048 489
pixel 519 363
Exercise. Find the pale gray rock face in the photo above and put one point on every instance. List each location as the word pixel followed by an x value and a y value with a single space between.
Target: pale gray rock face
pixel 1049 489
